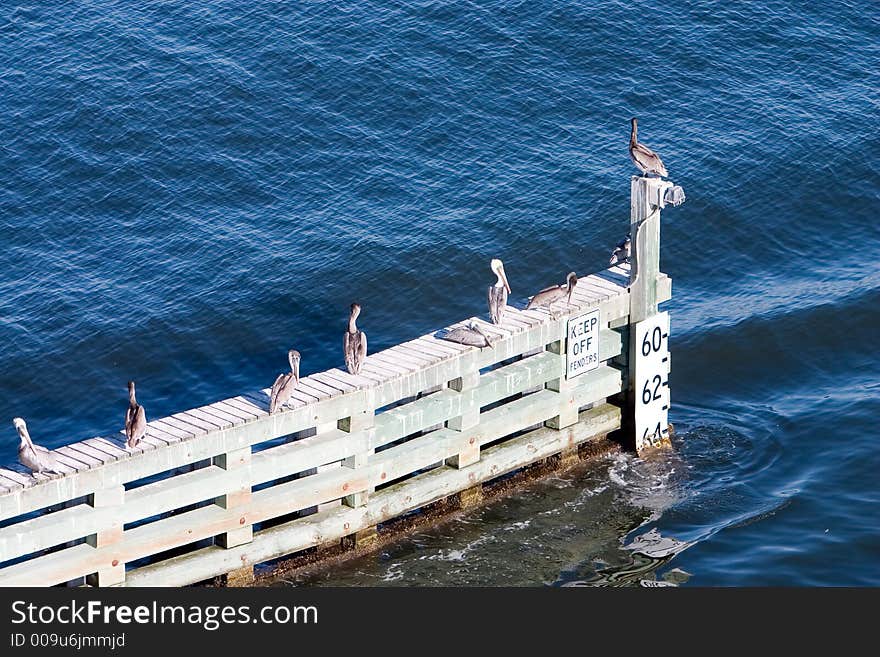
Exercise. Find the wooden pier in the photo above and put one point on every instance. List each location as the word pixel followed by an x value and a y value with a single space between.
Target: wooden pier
pixel 217 489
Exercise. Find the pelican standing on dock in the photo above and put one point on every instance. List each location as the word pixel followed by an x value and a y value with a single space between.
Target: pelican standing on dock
pixel 498 292
pixel 285 383
pixel 622 251
pixel 35 457
pixel 470 334
pixel 354 343
pixel 135 419
pixel 646 160
pixel 554 293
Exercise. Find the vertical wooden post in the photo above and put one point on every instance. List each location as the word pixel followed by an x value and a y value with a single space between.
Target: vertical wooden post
pixel 644 271
pixel 114 572
pixel 568 410
pixel 236 499
pixel 469 418
pixel 363 421
pixel 356 423
pixel 645 252
pixel 240 498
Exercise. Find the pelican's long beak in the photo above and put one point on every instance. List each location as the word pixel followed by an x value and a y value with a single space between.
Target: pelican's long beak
pixel 21 428
pixel 504 278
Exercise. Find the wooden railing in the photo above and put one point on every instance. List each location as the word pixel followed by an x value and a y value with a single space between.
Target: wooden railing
pixel 216 489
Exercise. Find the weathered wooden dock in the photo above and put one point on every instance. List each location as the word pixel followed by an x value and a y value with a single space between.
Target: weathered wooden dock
pixel 216 489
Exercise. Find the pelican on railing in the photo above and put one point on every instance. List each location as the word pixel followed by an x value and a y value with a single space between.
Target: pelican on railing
pixel 35 457
pixel 354 342
pixel 646 160
pixel 470 334
pixel 135 419
pixel 498 292
pixel 549 295
pixel 621 251
pixel 285 383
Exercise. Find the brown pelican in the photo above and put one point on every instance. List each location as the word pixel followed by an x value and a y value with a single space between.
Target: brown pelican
pixel 354 343
pixel 285 383
pixel 471 334
pixel 498 292
pixel 554 293
pixel 135 419
pixel 643 157
pixel 621 252
pixel 35 457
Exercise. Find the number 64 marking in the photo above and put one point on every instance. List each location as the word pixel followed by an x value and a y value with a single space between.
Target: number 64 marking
pixel 655 437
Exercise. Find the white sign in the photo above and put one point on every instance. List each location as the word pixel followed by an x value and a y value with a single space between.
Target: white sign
pixel 582 350
pixel 652 380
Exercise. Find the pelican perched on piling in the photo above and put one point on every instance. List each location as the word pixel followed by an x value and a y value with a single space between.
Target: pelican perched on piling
pixel 354 343
pixel 646 160
pixel 471 334
pixel 621 251
pixel 498 292
pixel 35 457
pixel 285 383
pixel 135 419
pixel 554 293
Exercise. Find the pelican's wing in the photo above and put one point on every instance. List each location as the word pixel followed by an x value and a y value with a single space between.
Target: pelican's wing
pixel 46 460
pixel 462 336
pixel 647 159
pixel 28 458
pixel 361 348
pixel 129 421
pixel 546 296
pixel 355 348
pixel 274 402
pixel 139 426
pixel 497 302
pixel 465 335
pixel 348 352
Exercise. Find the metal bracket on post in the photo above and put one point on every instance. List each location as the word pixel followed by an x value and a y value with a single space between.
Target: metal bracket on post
pixel 113 573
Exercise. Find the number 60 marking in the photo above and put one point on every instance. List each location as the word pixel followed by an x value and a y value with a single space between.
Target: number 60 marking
pixel 654 343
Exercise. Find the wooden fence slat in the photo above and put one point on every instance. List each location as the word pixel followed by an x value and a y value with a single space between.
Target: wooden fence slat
pixel 330 382
pixel 230 410
pixel 315 389
pixel 76 455
pixel 194 418
pixel 17 477
pixel 214 419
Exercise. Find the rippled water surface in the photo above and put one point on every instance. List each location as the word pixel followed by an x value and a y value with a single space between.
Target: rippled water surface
pixel 189 189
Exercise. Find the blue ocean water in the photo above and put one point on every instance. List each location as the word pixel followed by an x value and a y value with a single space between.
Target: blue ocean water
pixel 190 189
